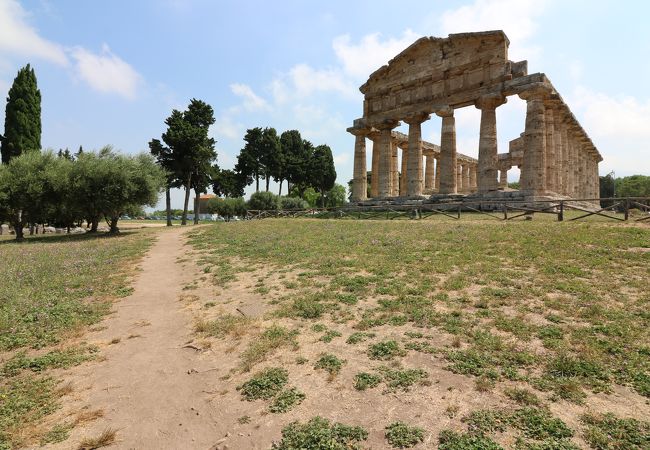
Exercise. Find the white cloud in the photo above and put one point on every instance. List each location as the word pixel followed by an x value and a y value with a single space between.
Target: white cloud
pixel 252 102
pixel 224 126
pixel 360 60
pixel 18 37
pixel 341 158
pixel 517 18
pixel 618 125
pixel 106 72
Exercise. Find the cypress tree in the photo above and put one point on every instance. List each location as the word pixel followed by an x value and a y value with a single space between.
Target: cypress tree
pixel 22 116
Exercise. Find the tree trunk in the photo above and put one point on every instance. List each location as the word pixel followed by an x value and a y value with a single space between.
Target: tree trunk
pixel 113 225
pixel 94 223
pixel 31 229
pixel 257 183
pixel 18 229
pixel 188 189
pixel 197 202
pixel 268 179
pixel 280 190
pixel 68 229
pixel 168 206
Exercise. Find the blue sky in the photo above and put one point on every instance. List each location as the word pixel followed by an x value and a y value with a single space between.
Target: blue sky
pixel 111 72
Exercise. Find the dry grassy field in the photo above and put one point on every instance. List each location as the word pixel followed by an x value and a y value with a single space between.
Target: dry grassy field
pixel 338 334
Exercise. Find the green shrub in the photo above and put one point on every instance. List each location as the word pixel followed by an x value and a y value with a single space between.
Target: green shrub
pixel 293 203
pixel 329 363
pixel 264 384
pixel 359 336
pixel 402 379
pixel 365 380
pixel 319 433
pixel 450 440
pixel 264 201
pixel 286 400
pixel 400 435
pixel 385 350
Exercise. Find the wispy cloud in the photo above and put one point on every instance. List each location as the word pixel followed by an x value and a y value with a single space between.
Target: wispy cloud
pixel 251 101
pixel 518 18
pixel 360 59
pixel 106 72
pixel 18 37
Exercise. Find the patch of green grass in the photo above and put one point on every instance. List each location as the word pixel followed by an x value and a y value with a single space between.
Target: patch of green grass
pixel 243 420
pixel 318 328
pixel 402 379
pixel 53 360
pixel 264 384
pixel 45 281
pixel 330 363
pixel 608 432
pixel 286 400
pixel 450 440
pixel 523 396
pixel 365 380
pixel 331 334
pixel 320 433
pixel 272 339
pixel 385 350
pixel 58 433
pixel 227 325
pixel 25 400
pixel 359 336
pixel 401 435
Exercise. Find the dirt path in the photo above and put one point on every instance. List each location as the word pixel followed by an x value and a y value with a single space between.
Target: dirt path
pixel 151 388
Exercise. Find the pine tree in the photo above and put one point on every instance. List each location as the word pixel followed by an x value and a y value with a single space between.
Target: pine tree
pixel 22 116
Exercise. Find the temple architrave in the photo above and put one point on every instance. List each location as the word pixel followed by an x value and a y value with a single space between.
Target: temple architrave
pixel 556 157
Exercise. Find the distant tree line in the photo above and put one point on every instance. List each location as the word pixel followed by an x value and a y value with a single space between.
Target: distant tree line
pixel 631 186
pixel 188 156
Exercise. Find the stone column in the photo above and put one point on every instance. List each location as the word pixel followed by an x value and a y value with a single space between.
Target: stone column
pixel 448 152
pixel 385 178
pixel 429 173
pixel 503 178
pixel 473 169
pixel 394 169
pixel 550 149
pixel 459 178
pixel 436 180
pixel 565 159
pixel 533 171
pixel 403 182
pixel 374 180
pixel 466 186
pixel 415 154
pixel 360 178
pixel 557 140
pixel 575 163
pixel 487 146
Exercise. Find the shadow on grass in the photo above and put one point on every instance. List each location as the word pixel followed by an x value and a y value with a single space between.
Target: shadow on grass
pixel 57 238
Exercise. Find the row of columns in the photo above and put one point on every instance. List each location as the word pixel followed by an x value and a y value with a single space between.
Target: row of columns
pixel 558 158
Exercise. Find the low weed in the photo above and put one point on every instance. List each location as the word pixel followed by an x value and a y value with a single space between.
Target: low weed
pixel 230 325
pixel 320 433
pixel 330 363
pixel 365 380
pixel 264 384
pixel 273 338
pixel 385 350
pixel 286 400
pixel 401 435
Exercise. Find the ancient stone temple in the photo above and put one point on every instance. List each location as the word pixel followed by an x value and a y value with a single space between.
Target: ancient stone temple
pixel 556 157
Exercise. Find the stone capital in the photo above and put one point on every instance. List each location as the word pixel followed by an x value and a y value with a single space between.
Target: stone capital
pixel 416 118
pixel 445 112
pixel 387 125
pixel 490 101
pixel 360 131
pixel 535 93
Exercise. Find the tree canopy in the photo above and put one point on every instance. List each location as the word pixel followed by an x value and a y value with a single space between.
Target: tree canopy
pixel 22 116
